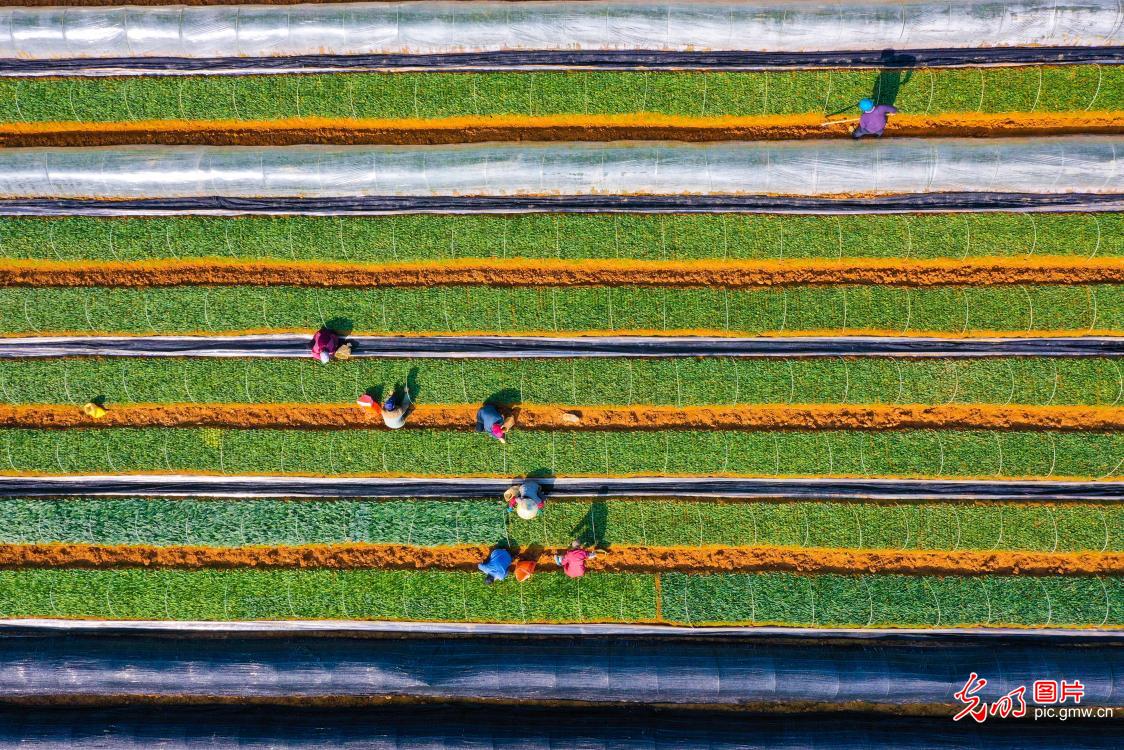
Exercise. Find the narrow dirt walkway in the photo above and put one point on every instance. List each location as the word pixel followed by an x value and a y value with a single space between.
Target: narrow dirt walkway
pixel 988 271
pixel 479 129
pixel 561 417
pixel 620 558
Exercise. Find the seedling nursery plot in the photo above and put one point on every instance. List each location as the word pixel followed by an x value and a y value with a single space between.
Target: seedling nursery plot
pixel 202 203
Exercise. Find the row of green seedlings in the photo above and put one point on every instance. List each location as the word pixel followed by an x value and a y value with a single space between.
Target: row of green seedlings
pixel 905 453
pixel 760 598
pixel 606 382
pixel 390 239
pixel 1079 88
pixel 959 525
pixel 841 309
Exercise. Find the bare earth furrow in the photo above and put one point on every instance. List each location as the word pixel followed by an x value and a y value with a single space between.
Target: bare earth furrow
pixel 541 272
pixel 620 558
pixel 332 416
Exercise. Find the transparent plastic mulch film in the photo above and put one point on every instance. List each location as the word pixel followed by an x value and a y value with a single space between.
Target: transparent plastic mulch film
pixel 1045 166
pixel 421 28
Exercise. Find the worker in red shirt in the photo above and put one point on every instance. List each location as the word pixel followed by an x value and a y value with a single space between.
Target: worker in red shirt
pixel 573 562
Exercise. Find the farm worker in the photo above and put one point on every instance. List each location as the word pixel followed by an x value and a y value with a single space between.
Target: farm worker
pixel 873 120
pixel 524 569
pixel 526 500
pixel 495 567
pixel 573 562
pixel 395 411
pixel 326 346
pixel 490 421
pixel 93 410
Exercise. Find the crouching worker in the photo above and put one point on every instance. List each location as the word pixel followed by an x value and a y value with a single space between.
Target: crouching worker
pixel 395 410
pixel 326 346
pixel 873 120
pixel 495 567
pixel 490 421
pixel 573 562
pixel 525 500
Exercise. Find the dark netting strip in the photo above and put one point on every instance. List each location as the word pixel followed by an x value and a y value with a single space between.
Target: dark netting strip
pixel 683 204
pixel 171 485
pixel 518 728
pixel 587 670
pixel 504 347
pixel 567 59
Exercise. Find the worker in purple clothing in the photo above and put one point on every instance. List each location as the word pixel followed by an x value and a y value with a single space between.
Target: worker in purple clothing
pixel 873 119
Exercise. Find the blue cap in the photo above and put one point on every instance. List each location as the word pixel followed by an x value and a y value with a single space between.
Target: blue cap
pixel 866 104
pixel 390 405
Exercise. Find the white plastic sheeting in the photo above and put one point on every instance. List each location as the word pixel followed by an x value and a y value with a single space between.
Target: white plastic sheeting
pixel 1078 164
pixel 421 28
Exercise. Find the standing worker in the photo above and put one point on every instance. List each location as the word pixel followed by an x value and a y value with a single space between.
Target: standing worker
pixel 873 120
pixel 495 567
pixel 526 500
pixel 489 420
pixel 573 562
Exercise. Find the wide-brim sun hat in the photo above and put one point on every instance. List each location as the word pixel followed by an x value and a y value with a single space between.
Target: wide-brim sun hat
pixel 527 509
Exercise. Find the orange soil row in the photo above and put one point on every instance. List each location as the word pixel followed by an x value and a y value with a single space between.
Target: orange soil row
pixel 621 558
pixel 478 129
pixel 554 416
pixel 549 272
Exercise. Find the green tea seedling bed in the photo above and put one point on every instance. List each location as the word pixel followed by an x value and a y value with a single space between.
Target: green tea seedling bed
pixel 949 453
pixel 505 310
pixel 237 523
pixel 399 95
pixel 679 382
pixel 891 600
pixel 776 598
pixel 414 238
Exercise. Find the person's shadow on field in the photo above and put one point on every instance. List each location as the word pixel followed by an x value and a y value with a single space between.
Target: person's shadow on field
pixel 591 529
pixel 897 70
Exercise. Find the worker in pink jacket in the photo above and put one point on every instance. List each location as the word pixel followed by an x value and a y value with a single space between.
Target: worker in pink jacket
pixel 573 562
